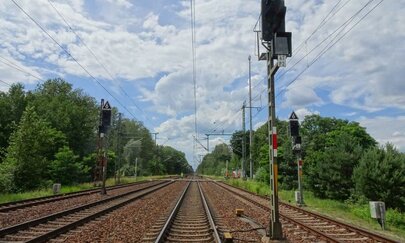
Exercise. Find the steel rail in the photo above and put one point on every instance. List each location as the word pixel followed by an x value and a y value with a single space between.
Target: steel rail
pixel 70 226
pixel 35 222
pixel 11 206
pixel 358 230
pixel 209 215
pixel 170 219
pixel 268 209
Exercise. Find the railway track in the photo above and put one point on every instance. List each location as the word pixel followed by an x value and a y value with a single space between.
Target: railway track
pixel 11 206
pixel 51 226
pixel 311 226
pixel 189 221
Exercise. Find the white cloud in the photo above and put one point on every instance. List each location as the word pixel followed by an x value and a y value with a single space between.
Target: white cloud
pixel 363 71
pixel 303 112
pixel 386 129
pixel 121 3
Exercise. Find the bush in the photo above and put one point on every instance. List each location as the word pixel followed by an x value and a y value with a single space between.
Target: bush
pixel 263 175
pixel 7 177
pixel 380 176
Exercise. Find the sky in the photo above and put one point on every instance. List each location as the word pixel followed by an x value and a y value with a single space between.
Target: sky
pixel 348 62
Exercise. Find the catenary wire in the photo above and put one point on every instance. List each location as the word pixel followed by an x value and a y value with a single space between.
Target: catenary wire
pixel 6 83
pixel 341 28
pixel 18 68
pixel 98 60
pixel 328 48
pixel 74 59
pixel 330 15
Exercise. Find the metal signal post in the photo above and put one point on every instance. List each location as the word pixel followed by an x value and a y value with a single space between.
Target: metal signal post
pixel 101 168
pixel 275 224
pixel 278 45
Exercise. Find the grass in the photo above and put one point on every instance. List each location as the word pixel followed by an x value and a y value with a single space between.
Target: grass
pixel 355 214
pixel 11 197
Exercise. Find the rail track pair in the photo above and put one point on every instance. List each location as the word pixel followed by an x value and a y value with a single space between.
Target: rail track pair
pixel 190 220
pixel 51 226
pixel 311 225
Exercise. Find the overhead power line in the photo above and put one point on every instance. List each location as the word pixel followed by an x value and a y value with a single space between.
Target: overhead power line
pixel 73 58
pixel 331 43
pixel 98 60
pixel 327 18
pixel 18 68
pixel 194 73
pixel 4 82
pixel 331 13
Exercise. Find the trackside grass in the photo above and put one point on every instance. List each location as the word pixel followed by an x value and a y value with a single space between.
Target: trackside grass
pixel 11 197
pixel 353 213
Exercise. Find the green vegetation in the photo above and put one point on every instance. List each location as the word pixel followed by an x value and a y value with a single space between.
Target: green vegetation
pixel 215 162
pixel 49 135
pixel 348 211
pixel 11 197
pixel 342 162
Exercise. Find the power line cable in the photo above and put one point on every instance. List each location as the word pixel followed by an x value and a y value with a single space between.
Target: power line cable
pixel 328 47
pixel 321 24
pixel 194 73
pixel 4 82
pixel 97 59
pixel 74 59
pixel 340 29
pixel 19 68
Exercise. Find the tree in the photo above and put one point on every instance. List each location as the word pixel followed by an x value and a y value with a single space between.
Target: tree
pixel 32 147
pixel 214 163
pixel 380 176
pixel 68 110
pixel 12 105
pixel 66 168
pixel 332 148
pixel 156 167
pixel 120 135
pixel 236 143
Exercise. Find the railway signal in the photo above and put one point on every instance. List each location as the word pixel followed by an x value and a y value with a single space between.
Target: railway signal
pixel 278 45
pixel 273 18
pixel 296 146
pixel 104 124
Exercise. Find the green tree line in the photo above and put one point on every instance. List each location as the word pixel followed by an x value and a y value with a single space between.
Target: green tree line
pixel 341 161
pixel 49 135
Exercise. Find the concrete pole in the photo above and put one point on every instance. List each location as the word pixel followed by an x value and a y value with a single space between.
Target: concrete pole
pixel 243 140
pixel 250 121
pixel 119 148
pixel 136 167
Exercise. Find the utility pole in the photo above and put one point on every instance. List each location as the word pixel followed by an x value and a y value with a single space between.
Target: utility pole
pixel 155 133
pixel 214 134
pixel 250 120
pixel 136 167
pixel 208 142
pixel 118 159
pixel 243 140
pixel 226 173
